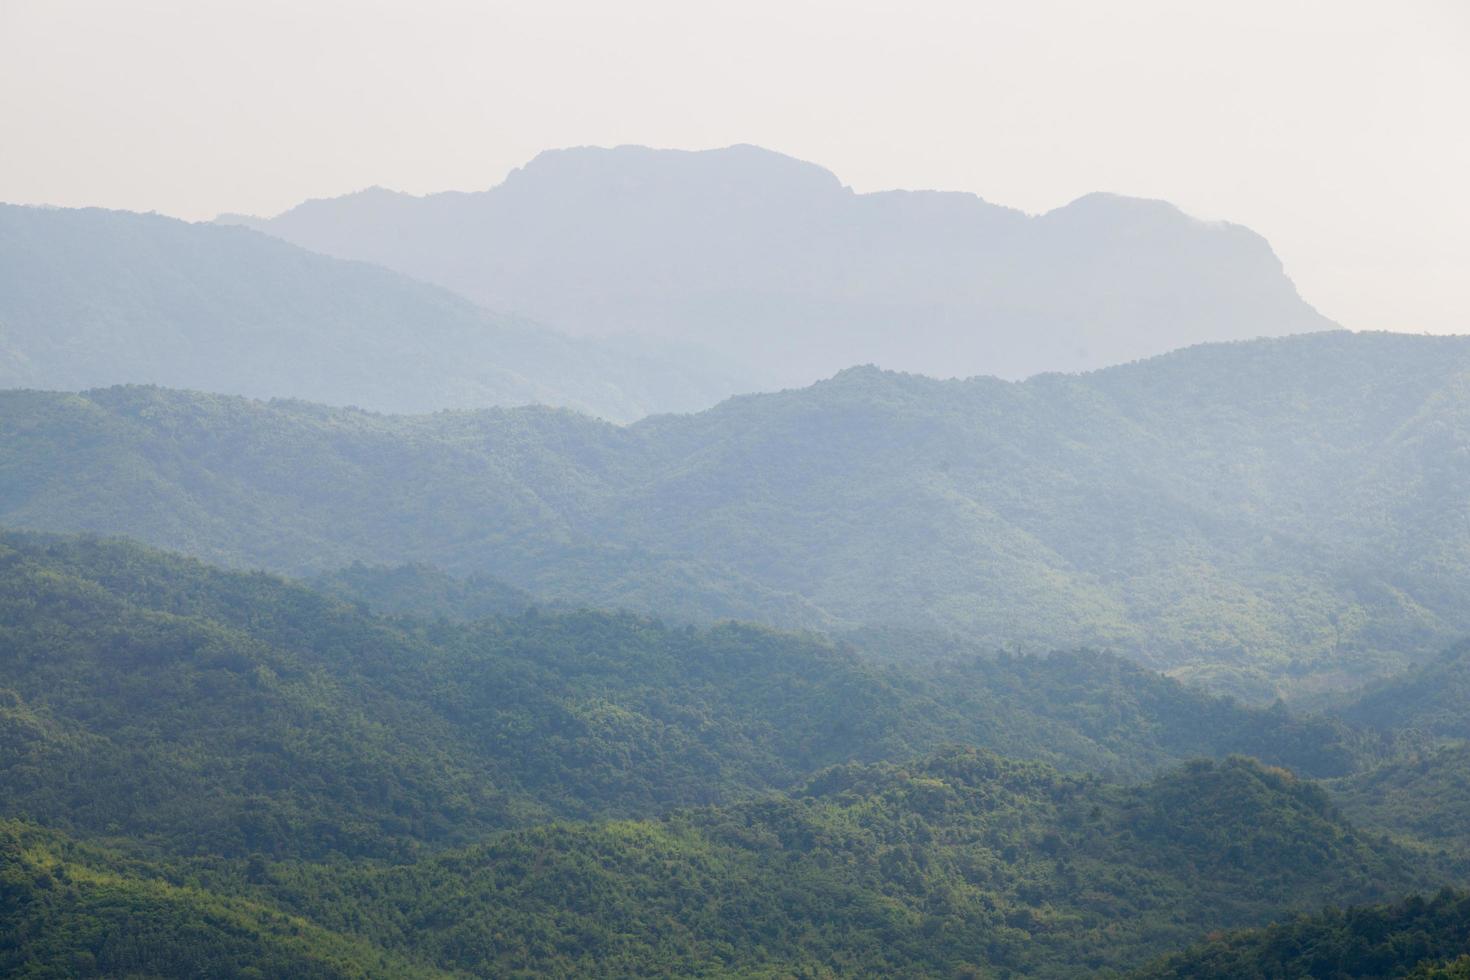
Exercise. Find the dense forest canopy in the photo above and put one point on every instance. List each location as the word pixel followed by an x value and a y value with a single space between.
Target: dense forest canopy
pixel 229 712
pixel 1419 938
pixel 212 771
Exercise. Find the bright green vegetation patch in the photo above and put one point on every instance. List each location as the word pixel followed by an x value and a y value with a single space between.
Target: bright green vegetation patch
pixel 70 910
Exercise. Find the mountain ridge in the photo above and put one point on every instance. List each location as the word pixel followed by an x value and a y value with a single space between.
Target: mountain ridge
pixel 91 297
pixel 742 246
pixel 1253 514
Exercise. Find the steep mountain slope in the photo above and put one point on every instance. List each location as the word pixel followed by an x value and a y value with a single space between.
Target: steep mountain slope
pixel 746 251
pixel 1301 526
pixel 91 297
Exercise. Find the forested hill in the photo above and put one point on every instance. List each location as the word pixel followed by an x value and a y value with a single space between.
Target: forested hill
pixel 1421 792
pixel 92 297
pixel 1419 938
pixel 960 864
pixel 1431 701
pixel 1264 515
pixel 206 711
pixel 207 771
pixel 69 909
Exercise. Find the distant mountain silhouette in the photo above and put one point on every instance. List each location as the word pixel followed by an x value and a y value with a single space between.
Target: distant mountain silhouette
pixel 92 297
pixel 775 263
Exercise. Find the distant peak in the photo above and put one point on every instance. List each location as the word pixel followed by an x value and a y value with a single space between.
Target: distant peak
pixel 736 164
pixel 1107 203
pixel 859 371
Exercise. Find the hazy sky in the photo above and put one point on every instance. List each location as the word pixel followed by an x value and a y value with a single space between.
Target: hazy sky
pixel 1340 130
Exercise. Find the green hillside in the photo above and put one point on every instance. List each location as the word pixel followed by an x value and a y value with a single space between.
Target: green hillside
pixel 1420 721
pixel 70 910
pixel 424 591
pixel 962 864
pixel 1424 939
pixel 1431 701
pixel 1420 796
pixel 202 711
pixel 213 772
pixel 1298 529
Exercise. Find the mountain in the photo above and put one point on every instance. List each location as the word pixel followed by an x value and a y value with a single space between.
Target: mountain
pixel 1263 517
pixel 424 591
pixel 1420 797
pixel 91 297
pixel 201 711
pixel 1421 792
pixel 69 909
pixel 960 864
pixel 774 263
pixel 1431 701
pixel 208 772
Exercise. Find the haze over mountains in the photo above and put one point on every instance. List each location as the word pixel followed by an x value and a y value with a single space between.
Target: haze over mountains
pixel 506 727
pixel 619 283
pixel 1263 516
pixel 92 297
pixel 779 267
pixel 678 563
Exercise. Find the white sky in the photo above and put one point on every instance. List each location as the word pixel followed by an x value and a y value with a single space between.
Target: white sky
pixel 1340 130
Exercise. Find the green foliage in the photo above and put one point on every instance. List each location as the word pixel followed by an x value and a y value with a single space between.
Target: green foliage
pixel 1268 517
pixel 68 910
pixel 157 699
pixel 424 591
pixel 962 862
pixel 1117 718
pixel 1429 702
pixel 1422 796
pixel 258 775
pixel 1419 938
pixel 1420 790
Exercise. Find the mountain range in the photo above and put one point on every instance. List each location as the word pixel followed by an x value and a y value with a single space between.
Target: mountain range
pixel 220 773
pixel 776 265
pixel 1265 517
pixel 514 621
